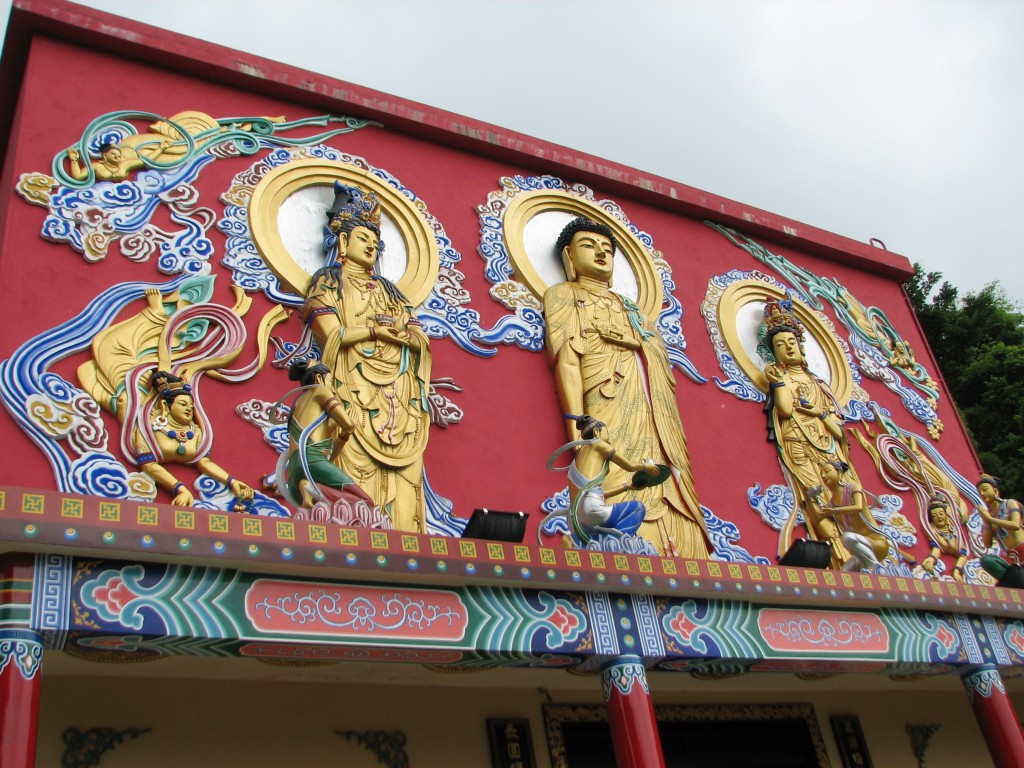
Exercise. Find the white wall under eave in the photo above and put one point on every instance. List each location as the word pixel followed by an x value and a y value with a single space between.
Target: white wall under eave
pixel 287 716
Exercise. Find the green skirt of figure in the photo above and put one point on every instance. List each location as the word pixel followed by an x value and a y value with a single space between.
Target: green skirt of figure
pixel 321 470
pixel 995 566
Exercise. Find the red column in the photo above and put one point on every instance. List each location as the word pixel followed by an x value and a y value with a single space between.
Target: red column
pixel 21 653
pixel 998 721
pixel 631 714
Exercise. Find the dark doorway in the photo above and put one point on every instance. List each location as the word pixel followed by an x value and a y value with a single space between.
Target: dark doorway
pixel 768 736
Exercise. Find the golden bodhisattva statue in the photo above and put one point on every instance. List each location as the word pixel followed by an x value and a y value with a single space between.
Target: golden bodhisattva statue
pixel 171 431
pixel 379 357
pixel 805 421
pixel 609 364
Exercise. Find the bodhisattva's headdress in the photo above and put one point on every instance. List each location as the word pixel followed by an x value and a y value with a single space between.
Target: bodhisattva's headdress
pixel 352 207
pixel 167 386
pixel 778 317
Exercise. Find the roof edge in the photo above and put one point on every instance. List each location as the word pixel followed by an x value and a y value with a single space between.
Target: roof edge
pixel 93 28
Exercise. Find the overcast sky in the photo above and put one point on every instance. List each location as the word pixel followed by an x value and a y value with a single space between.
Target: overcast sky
pixel 895 119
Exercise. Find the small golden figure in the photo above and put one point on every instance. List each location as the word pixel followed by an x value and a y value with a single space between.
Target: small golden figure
pixel 944 538
pixel 589 513
pixel 116 162
pixel 844 518
pixel 172 432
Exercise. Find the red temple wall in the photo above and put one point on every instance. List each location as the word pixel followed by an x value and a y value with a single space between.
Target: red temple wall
pixel 496 456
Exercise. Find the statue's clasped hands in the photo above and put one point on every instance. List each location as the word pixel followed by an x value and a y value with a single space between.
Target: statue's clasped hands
pixel 808 411
pixel 395 336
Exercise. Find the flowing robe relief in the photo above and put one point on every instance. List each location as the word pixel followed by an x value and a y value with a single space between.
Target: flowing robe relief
pixel 633 393
pixel 383 386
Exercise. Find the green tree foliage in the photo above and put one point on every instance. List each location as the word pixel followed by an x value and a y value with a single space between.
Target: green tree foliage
pixel 978 341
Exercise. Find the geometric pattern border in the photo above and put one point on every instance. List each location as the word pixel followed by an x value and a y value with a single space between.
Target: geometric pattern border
pixel 37 520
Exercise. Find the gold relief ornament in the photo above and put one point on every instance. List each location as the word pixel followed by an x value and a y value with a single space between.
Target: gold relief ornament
pixel 611 365
pixel 182 337
pixel 54 419
pixel 67 420
pixel 166 334
pixel 104 190
pixel 36 188
pixel 166 144
pixel 513 295
pixel 370 340
pixel 903 464
pixel 133 345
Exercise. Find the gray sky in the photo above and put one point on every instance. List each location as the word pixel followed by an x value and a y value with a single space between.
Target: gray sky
pixel 896 119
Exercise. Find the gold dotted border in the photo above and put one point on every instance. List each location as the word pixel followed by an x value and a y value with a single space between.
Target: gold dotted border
pixel 529 204
pixel 744 292
pixel 281 183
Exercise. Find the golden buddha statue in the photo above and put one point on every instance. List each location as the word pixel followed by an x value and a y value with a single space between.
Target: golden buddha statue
pixel 609 364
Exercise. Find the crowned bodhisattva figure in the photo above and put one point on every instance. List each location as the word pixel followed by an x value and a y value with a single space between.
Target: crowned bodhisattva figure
pixel 379 358
pixel 805 421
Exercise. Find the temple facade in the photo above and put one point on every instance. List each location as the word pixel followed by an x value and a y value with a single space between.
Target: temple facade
pixel 341 430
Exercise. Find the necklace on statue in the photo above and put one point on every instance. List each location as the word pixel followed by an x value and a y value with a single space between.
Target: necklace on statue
pixel 182 434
